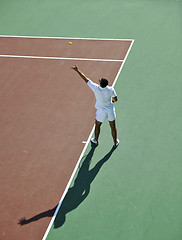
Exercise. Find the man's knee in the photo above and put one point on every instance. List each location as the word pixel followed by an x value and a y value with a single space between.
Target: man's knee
pixel 112 124
pixel 97 123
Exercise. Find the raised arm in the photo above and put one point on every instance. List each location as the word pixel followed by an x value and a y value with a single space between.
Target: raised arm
pixel 81 74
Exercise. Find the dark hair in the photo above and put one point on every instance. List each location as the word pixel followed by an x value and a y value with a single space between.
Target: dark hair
pixel 103 82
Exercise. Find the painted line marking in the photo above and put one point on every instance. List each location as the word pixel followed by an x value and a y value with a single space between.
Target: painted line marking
pixel 68 185
pixel 61 58
pixel 40 37
pixel 122 64
pixel 80 158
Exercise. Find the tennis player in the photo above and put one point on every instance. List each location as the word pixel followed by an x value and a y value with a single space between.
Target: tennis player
pixel 105 97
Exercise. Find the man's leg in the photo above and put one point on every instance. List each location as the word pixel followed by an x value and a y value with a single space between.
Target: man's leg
pixel 113 131
pixel 97 129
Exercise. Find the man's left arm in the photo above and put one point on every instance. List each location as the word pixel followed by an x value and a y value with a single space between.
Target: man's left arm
pixel 114 96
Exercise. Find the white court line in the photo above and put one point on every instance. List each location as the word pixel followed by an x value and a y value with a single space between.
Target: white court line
pixel 80 158
pixel 60 58
pixel 37 37
pixel 67 187
pixel 123 63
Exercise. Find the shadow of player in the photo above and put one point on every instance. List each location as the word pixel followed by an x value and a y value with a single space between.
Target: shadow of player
pixel 77 193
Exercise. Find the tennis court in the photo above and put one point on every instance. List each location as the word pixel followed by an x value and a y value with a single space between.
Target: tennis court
pixel 43 114
pixel 54 184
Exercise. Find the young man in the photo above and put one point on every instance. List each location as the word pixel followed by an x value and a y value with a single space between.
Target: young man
pixel 105 97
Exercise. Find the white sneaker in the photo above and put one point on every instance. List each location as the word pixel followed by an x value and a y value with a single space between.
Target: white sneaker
pixel 94 141
pixel 117 143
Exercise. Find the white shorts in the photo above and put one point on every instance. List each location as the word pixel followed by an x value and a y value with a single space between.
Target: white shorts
pixel 103 113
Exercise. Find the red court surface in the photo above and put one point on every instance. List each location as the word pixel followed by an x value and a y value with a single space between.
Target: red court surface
pixel 46 112
pixel 53 47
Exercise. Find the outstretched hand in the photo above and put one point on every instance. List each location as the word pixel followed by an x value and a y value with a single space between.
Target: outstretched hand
pixel 80 73
pixel 75 68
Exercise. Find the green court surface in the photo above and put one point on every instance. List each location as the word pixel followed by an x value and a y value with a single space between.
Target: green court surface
pixel 134 192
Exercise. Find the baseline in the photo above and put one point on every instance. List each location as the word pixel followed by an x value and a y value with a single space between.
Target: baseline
pixel 42 37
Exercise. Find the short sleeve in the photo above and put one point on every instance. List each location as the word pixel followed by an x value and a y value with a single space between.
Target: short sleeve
pixel 92 85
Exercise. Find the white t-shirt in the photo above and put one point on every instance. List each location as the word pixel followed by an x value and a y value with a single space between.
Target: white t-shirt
pixel 103 95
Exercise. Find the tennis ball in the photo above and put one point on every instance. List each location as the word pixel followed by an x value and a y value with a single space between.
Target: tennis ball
pixel 70 43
